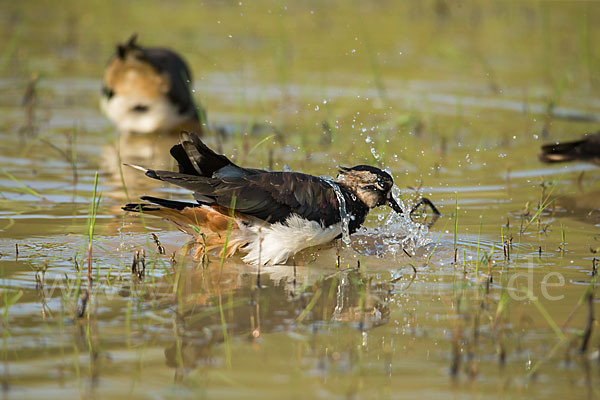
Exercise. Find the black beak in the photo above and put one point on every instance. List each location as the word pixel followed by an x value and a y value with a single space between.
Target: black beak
pixel 392 203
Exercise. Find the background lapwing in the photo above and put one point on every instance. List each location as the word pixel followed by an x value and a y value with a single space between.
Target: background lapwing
pixel 147 89
pixel 585 149
pixel 276 214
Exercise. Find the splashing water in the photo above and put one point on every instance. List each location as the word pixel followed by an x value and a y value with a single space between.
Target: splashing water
pixel 374 153
pixel 397 233
pixel 402 233
pixel 345 219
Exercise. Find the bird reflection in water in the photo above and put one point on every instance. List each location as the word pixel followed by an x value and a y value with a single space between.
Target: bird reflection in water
pixel 221 305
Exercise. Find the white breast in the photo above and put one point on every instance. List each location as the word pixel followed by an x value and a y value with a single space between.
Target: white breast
pixel 275 243
pixel 162 115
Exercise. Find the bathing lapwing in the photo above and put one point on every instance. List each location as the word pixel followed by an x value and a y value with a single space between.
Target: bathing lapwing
pixel 270 216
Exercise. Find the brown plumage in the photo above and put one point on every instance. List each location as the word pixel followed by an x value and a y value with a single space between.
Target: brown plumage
pixel 586 149
pixel 214 223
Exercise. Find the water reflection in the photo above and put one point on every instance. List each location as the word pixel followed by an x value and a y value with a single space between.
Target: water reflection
pixel 219 306
pixel 584 207
pixel 145 150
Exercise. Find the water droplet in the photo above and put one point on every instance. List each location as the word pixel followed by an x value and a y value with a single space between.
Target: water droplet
pixel 316 108
pixel 374 153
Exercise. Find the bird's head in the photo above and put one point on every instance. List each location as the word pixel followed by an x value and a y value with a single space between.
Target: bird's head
pixel 371 185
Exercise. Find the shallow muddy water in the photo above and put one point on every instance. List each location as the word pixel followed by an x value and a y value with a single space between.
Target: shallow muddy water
pixel 454 99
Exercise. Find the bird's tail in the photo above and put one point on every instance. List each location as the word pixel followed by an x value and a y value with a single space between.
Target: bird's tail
pixel 213 228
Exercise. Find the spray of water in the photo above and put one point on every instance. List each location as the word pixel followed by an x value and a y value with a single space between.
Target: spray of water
pixel 402 233
pixel 345 219
pixel 397 233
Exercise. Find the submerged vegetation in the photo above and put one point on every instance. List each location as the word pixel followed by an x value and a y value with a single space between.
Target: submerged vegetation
pixel 454 100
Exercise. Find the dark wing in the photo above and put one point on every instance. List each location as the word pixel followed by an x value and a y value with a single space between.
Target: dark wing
pixel 195 158
pixel 172 204
pixel 586 149
pixel 270 196
pixel 273 196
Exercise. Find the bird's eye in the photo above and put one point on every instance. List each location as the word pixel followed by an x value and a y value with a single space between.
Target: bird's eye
pixel 109 93
pixel 140 108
